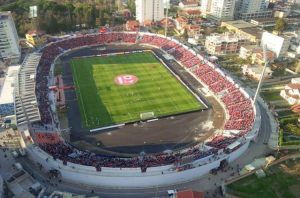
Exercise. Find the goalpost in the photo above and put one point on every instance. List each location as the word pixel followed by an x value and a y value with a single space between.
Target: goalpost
pixel 147 115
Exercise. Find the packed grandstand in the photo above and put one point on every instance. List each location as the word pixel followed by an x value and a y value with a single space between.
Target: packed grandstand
pixel 240 113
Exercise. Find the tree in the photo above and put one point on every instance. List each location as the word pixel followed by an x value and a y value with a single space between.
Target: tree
pixel 131 6
pixel 221 30
pixel 280 25
pixel 297 66
pixel 185 34
pixel 63 15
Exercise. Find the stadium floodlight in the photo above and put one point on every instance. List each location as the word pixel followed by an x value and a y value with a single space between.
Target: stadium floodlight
pixel 167 13
pixel 262 74
pixel 33 11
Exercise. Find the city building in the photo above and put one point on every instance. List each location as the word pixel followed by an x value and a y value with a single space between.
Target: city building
pixel 149 10
pixel 271 22
pixel 283 7
pixel 7 89
pixel 246 29
pixel 205 7
pixel 249 9
pixel 277 44
pixel 255 71
pixel 237 25
pixel 180 23
pixel 162 23
pixel 193 30
pixel 11 139
pixel 224 44
pixel 295 44
pixel 192 14
pixel 258 57
pixel 10 51
pixel 188 4
pixel 263 22
pixel 222 10
pixel 291 92
pixel 280 14
pixel 246 51
pixel 36 38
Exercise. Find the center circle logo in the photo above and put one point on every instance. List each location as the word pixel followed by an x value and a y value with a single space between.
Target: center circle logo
pixel 126 79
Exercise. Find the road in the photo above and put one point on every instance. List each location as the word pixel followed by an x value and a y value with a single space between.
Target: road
pixel 207 183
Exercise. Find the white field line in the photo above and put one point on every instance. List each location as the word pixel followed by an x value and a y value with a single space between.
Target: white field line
pixel 80 96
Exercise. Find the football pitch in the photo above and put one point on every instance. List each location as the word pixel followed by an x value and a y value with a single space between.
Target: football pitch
pixel 119 88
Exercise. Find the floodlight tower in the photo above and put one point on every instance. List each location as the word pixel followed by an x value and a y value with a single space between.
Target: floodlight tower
pixel 167 13
pixel 33 14
pixel 262 74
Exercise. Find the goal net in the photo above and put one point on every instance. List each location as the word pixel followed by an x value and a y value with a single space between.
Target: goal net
pixel 147 115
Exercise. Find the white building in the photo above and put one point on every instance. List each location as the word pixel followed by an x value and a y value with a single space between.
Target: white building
pixel 249 9
pixel 255 71
pixel 9 41
pixel 222 9
pixel 7 89
pixel 295 44
pixel 291 92
pixel 205 6
pixel 224 44
pixel 188 4
pixel 149 10
pixel 277 44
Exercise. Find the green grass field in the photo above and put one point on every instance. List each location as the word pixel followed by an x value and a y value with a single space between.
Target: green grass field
pixel 278 183
pixel 102 102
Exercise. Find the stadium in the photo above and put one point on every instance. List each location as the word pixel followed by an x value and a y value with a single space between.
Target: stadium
pixel 141 110
pixel 149 113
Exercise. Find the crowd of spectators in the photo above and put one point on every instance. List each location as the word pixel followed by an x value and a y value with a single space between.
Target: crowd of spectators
pixel 239 107
pixel 67 153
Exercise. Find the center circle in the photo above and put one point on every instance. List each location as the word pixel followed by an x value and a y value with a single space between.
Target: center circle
pixel 126 79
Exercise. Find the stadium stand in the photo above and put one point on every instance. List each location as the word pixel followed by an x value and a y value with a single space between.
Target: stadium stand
pixel 238 106
pixel 25 98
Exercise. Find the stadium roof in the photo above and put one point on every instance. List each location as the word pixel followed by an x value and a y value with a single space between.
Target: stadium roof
pixel 7 91
pixel 26 103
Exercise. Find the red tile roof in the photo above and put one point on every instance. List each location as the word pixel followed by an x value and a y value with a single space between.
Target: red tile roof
pixel 189 194
pixel 294 86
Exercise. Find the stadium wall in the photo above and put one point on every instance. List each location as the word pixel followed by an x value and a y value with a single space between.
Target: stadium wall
pixel 128 177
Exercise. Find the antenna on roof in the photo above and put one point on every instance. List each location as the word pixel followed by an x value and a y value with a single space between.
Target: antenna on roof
pixel 262 74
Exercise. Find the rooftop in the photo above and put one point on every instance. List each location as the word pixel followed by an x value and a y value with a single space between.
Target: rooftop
pixel 296 80
pixel 36 32
pixel 240 24
pixel 261 20
pixel 5 15
pixel 257 69
pixel 8 87
pixel 189 194
pixel 254 32
pixel 189 2
pixel 251 47
pixel 294 85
